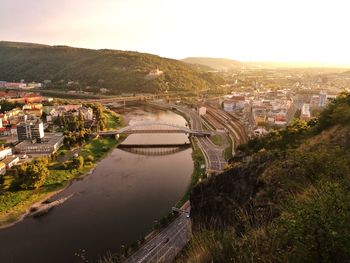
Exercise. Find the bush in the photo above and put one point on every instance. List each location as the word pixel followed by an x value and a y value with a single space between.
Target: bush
pixel 89 159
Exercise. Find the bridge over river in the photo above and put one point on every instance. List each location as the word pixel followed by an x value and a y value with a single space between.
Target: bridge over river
pixel 154 127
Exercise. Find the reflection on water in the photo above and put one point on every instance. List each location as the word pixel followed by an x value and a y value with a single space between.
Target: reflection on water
pixel 116 204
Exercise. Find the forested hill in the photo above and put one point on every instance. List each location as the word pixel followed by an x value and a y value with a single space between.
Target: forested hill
pixel 119 71
pixel 288 202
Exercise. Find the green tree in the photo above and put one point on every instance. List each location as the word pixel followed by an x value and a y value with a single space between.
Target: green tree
pixel 80 121
pixel 78 162
pixel 33 174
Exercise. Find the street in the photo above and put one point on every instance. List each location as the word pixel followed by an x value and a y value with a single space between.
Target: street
pixel 167 244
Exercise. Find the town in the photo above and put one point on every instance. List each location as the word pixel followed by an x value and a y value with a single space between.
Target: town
pixel 32 125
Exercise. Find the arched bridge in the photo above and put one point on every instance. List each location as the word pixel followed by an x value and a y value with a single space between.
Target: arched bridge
pixel 154 127
pixel 154 149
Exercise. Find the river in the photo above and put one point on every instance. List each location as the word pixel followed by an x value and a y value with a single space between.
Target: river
pixel 114 205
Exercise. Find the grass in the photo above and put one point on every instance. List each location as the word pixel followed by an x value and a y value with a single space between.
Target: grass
pixel 228 152
pixel 218 139
pixel 113 120
pixel 15 204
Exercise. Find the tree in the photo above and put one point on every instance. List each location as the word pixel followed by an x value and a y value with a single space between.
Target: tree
pixel 33 174
pixel 73 124
pixel 78 162
pixel 80 121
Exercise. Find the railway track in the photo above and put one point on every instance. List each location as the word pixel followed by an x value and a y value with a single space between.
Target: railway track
pixel 230 122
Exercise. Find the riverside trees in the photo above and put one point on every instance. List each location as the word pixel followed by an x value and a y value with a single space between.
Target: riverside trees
pixel 31 175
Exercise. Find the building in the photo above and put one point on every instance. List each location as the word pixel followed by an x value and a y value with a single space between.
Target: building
pixel 87 113
pixel 260 132
pixel 314 101
pixel 228 105
pixel 34 109
pixel 5 152
pixel 305 112
pixel 2 168
pixel 10 161
pixel 30 130
pixel 202 110
pixel 260 116
pixel 47 145
pixel 153 74
pixel 323 99
pixel 234 103
pixel 68 111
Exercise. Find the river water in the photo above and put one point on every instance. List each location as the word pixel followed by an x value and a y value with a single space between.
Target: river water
pixel 115 205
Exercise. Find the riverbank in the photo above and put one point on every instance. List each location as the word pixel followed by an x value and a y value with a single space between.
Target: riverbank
pixel 16 205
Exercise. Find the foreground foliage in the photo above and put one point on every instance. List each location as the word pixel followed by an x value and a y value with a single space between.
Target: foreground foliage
pixel 291 203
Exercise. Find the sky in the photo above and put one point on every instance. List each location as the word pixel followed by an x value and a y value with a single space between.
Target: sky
pixel 248 30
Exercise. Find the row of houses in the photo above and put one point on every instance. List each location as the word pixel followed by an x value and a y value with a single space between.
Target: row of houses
pixel 20 85
pixel 53 112
pixel 271 112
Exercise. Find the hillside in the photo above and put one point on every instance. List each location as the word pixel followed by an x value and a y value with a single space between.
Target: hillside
pixel 288 202
pixel 118 71
pixel 215 63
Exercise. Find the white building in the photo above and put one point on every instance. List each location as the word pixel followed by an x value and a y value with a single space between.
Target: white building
pixel 229 105
pixel 305 112
pixel 5 152
pixel 323 99
pixel 202 111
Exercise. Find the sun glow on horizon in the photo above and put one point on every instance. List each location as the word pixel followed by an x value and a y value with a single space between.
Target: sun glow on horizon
pixel 249 30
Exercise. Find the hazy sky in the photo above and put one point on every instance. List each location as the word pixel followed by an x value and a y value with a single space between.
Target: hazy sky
pixel 279 30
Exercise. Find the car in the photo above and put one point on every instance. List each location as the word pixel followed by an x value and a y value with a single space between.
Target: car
pixel 188 215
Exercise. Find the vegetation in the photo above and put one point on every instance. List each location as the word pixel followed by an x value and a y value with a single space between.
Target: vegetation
pixel 218 139
pixel 197 175
pixel 113 120
pixel 91 70
pixel 7 106
pixel 34 181
pixel 30 175
pixel 39 179
pixel 290 203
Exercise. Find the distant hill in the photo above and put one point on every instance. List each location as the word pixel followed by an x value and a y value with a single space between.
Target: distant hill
pixel 216 63
pixel 223 64
pixel 118 71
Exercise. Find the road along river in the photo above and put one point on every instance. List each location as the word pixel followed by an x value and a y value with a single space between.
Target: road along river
pixel 114 205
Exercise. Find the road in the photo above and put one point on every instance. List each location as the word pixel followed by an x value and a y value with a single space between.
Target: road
pixel 215 155
pixel 167 244
pixel 170 241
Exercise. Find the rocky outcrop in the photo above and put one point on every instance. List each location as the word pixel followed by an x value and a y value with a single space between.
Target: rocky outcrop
pixel 217 201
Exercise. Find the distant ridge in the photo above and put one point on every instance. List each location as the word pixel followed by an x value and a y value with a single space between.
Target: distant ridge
pixel 21 44
pixel 224 64
pixel 216 63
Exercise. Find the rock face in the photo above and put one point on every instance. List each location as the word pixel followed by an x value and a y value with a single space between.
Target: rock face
pixel 215 202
